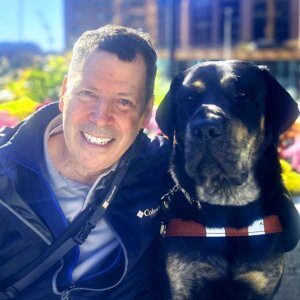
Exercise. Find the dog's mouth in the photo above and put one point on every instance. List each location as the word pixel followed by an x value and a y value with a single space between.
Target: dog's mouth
pixel 216 161
pixel 225 180
pixel 216 172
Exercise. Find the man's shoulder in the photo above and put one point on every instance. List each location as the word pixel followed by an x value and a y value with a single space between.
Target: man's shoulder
pixel 7 132
pixel 156 146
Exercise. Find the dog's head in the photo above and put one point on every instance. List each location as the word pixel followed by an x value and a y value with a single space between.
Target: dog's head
pixel 221 115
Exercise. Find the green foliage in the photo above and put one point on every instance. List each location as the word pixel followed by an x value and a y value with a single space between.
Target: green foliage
pixel 161 87
pixel 41 81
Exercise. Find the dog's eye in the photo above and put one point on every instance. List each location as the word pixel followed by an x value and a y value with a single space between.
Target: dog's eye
pixel 242 96
pixel 188 100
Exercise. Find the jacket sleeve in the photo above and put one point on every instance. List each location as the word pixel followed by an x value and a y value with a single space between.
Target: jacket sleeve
pixel 7 132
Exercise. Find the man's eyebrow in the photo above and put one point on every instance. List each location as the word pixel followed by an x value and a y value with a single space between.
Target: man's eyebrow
pixel 83 85
pixel 125 94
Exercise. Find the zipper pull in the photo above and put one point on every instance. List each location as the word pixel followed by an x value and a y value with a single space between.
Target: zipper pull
pixel 65 294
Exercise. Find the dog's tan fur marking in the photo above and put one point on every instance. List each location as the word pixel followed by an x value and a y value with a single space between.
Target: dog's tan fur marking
pixel 198 85
pixel 227 78
pixel 257 279
pixel 240 131
pixel 262 124
pixel 263 281
pixel 185 274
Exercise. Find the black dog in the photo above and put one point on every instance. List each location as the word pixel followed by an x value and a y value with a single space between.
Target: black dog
pixel 229 205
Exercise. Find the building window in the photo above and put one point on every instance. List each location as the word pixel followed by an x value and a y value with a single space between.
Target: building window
pixel 200 23
pixel 233 6
pixel 163 35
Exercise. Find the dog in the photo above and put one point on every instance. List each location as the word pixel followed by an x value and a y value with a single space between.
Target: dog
pixel 229 217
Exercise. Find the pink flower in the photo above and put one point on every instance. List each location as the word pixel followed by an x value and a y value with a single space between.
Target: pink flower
pixel 292 153
pixel 7 120
pixel 152 127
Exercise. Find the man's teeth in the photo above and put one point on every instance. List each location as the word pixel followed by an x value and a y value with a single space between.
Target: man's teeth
pixel 95 140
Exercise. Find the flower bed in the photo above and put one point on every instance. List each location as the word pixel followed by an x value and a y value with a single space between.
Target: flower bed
pixel 289 151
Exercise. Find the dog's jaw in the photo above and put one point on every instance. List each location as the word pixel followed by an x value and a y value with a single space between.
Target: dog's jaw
pixel 222 167
pixel 229 194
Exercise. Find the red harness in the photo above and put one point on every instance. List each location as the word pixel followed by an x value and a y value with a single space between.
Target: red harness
pixel 188 228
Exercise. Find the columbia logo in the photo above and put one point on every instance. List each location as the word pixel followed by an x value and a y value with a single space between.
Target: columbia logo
pixel 140 214
pixel 147 212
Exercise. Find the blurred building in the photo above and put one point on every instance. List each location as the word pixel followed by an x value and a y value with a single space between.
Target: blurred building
pixel 82 15
pixel 199 25
pixel 19 54
pixel 263 31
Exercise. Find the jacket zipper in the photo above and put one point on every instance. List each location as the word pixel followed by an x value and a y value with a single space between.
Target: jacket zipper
pixel 26 222
pixel 65 293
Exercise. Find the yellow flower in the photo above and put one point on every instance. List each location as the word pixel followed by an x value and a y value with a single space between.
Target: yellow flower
pixel 290 178
pixel 20 108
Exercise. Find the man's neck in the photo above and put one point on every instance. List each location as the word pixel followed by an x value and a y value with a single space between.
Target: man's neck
pixel 61 160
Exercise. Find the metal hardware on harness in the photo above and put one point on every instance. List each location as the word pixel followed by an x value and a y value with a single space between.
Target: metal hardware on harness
pixel 165 206
pixel 163 229
pixel 82 235
pixel 166 199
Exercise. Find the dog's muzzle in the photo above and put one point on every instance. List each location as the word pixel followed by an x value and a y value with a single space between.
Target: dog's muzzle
pixel 209 151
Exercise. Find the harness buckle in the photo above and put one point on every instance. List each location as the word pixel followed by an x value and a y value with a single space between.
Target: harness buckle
pixel 163 229
pixel 83 233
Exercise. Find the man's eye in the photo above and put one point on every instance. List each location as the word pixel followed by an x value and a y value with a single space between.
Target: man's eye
pixel 125 104
pixel 87 94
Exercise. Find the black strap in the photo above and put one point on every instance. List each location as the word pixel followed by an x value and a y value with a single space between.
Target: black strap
pixel 75 234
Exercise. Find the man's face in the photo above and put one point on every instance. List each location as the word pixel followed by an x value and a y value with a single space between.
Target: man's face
pixel 103 111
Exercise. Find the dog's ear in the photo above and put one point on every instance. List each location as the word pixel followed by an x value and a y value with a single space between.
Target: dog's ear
pixel 166 112
pixel 282 109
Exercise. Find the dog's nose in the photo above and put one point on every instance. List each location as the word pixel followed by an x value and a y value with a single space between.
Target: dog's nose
pixel 206 129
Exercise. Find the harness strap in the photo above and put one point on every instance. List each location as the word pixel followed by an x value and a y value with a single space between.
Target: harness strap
pixel 188 228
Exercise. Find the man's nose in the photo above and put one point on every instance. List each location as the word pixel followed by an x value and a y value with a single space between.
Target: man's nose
pixel 102 112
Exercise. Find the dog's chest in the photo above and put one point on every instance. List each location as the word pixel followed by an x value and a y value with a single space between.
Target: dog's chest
pixel 196 266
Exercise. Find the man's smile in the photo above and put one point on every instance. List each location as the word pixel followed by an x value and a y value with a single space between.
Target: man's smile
pixel 96 140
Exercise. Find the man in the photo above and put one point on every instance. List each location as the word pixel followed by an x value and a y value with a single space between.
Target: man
pixel 59 165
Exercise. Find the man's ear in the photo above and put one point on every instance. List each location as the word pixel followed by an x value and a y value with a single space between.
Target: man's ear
pixel 62 93
pixel 166 112
pixel 148 112
pixel 282 109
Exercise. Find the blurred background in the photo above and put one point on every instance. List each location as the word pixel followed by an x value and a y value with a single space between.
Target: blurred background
pixel 184 31
pixel 36 38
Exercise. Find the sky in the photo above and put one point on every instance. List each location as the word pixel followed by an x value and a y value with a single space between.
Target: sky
pixel 37 21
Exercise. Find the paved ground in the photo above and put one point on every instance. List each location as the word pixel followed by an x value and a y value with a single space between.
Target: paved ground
pixel 290 286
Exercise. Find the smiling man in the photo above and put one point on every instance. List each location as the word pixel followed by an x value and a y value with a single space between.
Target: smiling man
pixel 84 152
pixel 103 111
